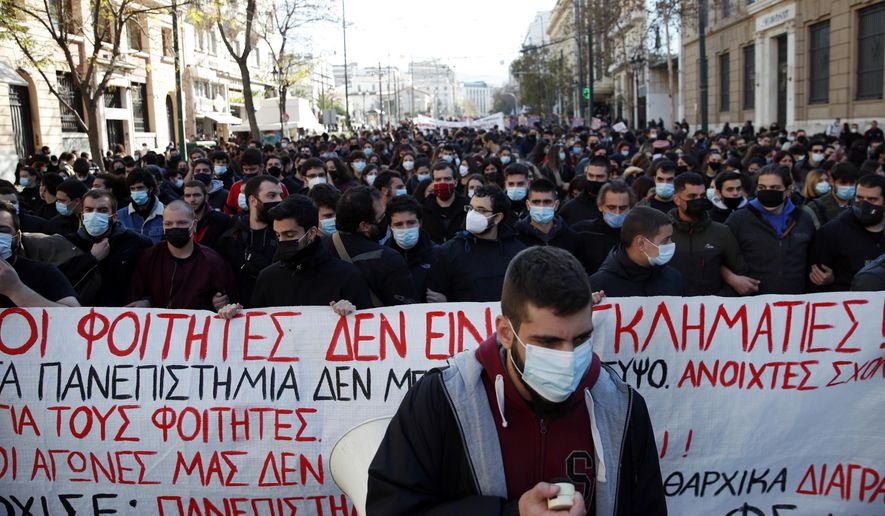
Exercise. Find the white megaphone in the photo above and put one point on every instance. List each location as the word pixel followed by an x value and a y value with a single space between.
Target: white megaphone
pixel 351 457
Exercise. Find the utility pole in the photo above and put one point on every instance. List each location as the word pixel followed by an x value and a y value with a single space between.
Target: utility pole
pixel 589 28
pixel 702 43
pixel 346 89
pixel 179 94
pixel 578 40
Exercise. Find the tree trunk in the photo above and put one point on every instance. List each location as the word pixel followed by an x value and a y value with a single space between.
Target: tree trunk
pixel 282 99
pixel 249 101
pixel 670 86
pixel 94 131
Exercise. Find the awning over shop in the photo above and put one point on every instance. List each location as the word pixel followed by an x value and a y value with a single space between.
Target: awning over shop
pixel 8 75
pixel 221 118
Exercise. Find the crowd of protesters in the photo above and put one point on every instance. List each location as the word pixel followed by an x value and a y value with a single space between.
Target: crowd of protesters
pixel 411 215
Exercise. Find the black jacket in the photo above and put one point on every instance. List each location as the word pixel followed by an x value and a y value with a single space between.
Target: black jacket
pixel 117 267
pixel 561 236
pixel 319 280
pixel 425 470
pixel 247 252
pixel 383 269
pixel 582 207
pixel 702 248
pixel 597 241
pixel 211 226
pixel 442 224
pixel 63 224
pixel 33 224
pixel 779 263
pixel 168 192
pixel 419 260
pixel 468 268
pixel 619 276
pixel 846 247
pixel 218 198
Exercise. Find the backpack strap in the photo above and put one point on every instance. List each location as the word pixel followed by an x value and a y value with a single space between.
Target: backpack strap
pixel 342 253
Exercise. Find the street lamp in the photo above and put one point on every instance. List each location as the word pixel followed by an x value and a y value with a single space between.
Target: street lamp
pixel 636 67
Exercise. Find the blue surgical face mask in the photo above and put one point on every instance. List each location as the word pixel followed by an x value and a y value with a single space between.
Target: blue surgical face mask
pixel 140 197
pixel 614 220
pixel 822 188
pixel 368 151
pixel 423 177
pixel 24 181
pixel 96 224
pixel 400 192
pixel 505 159
pixel 370 179
pixel 407 238
pixel 359 166
pixel 328 226
pixel 516 193
pixel 5 246
pixel 179 183
pixel 220 170
pixel 241 202
pixel 665 190
pixel 551 373
pixel 577 150
pixel 449 158
pixel 542 214
pixel 665 253
pixel 845 193
pixel 62 209
pixel 561 156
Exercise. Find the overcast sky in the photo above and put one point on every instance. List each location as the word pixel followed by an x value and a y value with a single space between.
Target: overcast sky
pixel 478 38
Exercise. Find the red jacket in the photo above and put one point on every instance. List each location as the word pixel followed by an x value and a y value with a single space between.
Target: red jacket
pixel 530 456
pixel 189 283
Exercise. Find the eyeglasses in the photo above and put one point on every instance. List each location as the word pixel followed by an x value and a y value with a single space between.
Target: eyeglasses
pixel 482 211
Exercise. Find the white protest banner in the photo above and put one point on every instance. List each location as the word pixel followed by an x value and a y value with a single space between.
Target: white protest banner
pixel 488 122
pixel 761 406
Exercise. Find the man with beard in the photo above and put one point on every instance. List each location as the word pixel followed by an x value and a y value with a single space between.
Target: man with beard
pixel 444 209
pixel 304 272
pixel 847 243
pixel 466 438
pixel 358 219
pixel 250 245
pixel 211 223
pixel 471 266
pixel 584 206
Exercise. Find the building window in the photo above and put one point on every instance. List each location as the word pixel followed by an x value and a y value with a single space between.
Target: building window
pixel 213 43
pixel 200 39
pixel 750 77
pixel 724 82
pixel 71 96
pixel 133 30
pixel 113 97
pixel 168 45
pixel 819 63
pixel 140 108
pixel 870 62
pixel 726 8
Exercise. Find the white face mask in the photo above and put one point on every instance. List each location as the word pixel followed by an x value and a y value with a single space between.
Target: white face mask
pixel 476 222
pixel 313 181
pixel 551 373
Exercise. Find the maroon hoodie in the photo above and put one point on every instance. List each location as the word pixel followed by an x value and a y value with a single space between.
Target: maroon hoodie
pixel 539 448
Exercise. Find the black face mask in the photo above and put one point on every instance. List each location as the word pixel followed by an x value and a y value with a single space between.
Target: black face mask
pixel 275 171
pixel 868 214
pixel 770 198
pixel 695 208
pixel 178 237
pixel 264 211
pixel 733 203
pixel 593 187
pixel 292 253
pixel 680 169
pixel 714 166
